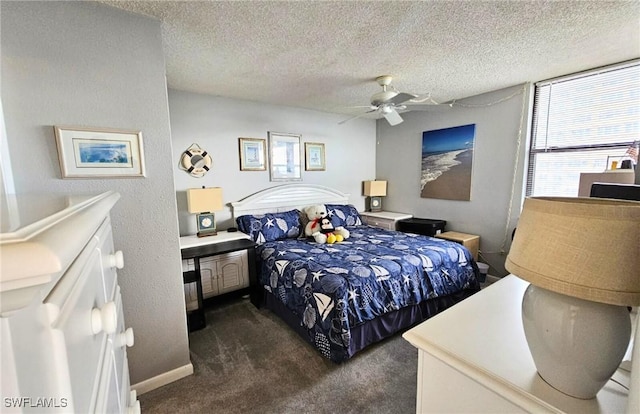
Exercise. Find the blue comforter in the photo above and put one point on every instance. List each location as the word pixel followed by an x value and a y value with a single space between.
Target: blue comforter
pixel 332 288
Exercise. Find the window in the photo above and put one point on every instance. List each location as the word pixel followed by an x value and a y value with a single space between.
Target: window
pixel 582 123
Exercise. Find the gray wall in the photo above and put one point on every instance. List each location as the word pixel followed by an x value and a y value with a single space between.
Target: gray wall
pixel 215 124
pixel 81 63
pixel 398 160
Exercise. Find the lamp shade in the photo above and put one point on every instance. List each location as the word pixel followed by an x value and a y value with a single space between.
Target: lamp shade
pixel 587 248
pixel 375 188
pixel 204 199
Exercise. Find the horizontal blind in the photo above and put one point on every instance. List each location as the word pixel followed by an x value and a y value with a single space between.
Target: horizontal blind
pixel 580 123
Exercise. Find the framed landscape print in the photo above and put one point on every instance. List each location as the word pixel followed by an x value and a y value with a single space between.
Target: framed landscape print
pixel 314 156
pixel 447 163
pixel 284 157
pixel 252 154
pixel 99 153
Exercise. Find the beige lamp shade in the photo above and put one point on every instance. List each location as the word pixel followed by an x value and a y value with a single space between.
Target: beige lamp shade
pixel 203 199
pixel 587 248
pixel 375 188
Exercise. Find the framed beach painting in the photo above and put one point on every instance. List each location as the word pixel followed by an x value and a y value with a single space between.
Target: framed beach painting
pixel 447 163
pixel 252 154
pixel 99 153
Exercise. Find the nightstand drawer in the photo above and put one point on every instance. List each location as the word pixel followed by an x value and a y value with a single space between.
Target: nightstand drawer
pixel 380 222
pixel 383 219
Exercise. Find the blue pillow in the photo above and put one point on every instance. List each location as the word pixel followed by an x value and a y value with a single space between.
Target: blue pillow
pixel 271 226
pixel 343 215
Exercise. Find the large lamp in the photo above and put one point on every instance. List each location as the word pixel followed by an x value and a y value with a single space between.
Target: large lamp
pixel 203 202
pixel 582 258
pixel 375 190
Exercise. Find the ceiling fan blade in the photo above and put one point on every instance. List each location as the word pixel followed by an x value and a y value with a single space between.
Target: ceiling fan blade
pixel 400 98
pixel 357 116
pixel 393 117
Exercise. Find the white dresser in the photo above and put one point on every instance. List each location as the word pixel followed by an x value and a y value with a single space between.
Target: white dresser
pixel 62 331
pixel 474 358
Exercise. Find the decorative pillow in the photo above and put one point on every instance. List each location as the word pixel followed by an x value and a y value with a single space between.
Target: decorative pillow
pixel 271 226
pixel 343 215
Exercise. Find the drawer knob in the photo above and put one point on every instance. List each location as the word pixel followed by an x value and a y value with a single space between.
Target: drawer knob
pixel 104 319
pixel 126 338
pixel 117 260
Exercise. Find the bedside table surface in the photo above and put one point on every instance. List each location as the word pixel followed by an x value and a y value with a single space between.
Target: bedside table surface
pixel 389 215
pixel 222 236
pixel 457 236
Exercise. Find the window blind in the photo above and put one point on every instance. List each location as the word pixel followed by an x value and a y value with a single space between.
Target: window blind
pixel 580 123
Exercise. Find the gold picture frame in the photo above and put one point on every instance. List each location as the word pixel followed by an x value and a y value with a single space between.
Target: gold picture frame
pixel 252 154
pixel 314 156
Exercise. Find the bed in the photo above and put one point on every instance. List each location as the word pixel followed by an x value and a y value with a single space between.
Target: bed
pixel 343 297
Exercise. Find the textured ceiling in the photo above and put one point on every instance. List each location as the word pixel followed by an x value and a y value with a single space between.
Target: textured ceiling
pixel 325 55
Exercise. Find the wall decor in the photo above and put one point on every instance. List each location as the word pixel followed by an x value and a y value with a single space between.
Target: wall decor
pixel 99 152
pixel 195 161
pixel 252 154
pixel 314 156
pixel 447 163
pixel 284 157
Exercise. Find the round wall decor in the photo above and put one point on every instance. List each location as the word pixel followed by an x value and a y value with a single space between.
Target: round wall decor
pixel 195 161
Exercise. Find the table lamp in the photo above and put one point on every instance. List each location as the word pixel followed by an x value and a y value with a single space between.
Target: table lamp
pixel 582 258
pixel 375 190
pixel 203 202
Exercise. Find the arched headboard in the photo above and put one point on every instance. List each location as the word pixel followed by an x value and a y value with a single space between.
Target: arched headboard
pixel 287 197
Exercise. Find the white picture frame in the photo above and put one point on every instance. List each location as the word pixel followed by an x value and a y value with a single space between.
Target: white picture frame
pixel 99 152
pixel 284 157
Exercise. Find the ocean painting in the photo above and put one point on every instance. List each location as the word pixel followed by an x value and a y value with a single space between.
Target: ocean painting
pixel 447 160
pixel 106 154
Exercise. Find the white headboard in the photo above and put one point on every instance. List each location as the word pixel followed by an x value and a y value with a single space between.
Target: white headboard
pixel 287 197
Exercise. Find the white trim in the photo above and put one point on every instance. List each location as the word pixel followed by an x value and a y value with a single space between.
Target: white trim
pixel 287 197
pixel 162 379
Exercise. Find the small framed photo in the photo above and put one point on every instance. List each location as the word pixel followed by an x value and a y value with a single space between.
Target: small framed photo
pixel 99 153
pixel 252 154
pixel 284 157
pixel 314 156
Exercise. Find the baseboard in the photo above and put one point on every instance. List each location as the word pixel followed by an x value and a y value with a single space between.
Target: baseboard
pixel 163 379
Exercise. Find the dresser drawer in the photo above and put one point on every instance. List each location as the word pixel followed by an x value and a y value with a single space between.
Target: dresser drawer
pixel 110 259
pixel 79 345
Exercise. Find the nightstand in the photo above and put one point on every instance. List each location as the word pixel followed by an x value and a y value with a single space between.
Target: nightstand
pixel 383 219
pixel 224 263
pixel 470 241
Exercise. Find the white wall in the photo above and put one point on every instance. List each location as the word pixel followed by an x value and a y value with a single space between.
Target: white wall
pixel 82 63
pixel 215 124
pixel 399 162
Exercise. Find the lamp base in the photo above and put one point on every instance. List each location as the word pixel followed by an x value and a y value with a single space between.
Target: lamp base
pixel 375 203
pixel 207 233
pixel 576 344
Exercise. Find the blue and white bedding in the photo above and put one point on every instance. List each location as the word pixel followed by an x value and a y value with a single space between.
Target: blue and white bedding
pixel 333 288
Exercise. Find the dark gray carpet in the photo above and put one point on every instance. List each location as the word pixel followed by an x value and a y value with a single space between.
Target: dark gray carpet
pixel 248 361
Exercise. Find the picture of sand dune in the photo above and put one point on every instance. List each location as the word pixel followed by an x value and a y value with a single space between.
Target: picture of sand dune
pixel 447 161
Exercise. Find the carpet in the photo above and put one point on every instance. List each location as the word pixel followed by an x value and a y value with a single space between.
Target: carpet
pixel 247 360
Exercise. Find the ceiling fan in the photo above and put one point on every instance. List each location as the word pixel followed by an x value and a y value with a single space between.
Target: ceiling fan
pixel 387 102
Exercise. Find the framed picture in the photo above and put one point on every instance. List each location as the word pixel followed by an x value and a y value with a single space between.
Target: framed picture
pixel 252 156
pixel 447 163
pixel 314 156
pixel 284 157
pixel 96 152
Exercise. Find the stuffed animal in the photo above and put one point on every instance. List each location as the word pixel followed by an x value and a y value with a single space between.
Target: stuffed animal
pixel 321 228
